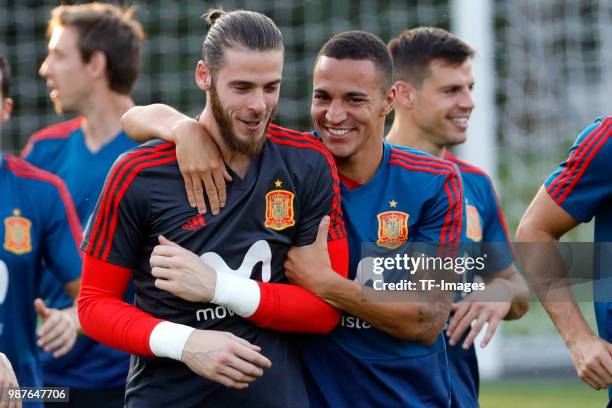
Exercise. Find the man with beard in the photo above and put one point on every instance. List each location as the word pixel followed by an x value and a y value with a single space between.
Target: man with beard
pixel 92 64
pixel 383 353
pixel 284 183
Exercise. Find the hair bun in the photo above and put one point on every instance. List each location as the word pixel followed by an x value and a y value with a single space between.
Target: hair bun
pixel 213 15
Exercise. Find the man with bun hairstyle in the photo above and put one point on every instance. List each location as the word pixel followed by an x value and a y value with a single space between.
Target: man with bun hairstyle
pixel 383 353
pixel 188 338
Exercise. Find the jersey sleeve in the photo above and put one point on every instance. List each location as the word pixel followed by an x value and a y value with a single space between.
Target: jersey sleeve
pixel 584 181
pixel 115 231
pixel 442 217
pixel 112 247
pixel 62 234
pixel 322 198
pixel 495 237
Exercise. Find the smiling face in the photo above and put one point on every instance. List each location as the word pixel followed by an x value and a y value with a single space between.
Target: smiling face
pixel 66 73
pixel 349 105
pixel 244 94
pixel 442 105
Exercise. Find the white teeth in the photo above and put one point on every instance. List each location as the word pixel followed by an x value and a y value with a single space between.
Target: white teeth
pixel 338 132
pixel 461 120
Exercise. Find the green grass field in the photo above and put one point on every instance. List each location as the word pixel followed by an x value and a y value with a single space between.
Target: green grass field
pixel 540 394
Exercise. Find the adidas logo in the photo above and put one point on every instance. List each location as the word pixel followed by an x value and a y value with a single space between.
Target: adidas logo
pixel 194 223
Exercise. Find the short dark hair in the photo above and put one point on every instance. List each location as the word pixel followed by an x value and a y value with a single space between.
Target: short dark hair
pixel 360 45
pixel 107 28
pixel 238 28
pixel 414 49
pixel 5 76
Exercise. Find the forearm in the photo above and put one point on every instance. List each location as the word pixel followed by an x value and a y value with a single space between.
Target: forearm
pixel 521 297
pixel 412 319
pixel 143 123
pixel 546 271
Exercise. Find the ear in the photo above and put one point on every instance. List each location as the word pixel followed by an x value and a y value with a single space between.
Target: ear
pixel 202 76
pixel 7 108
pixel 97 64
pixel 390 98
pixel 406 94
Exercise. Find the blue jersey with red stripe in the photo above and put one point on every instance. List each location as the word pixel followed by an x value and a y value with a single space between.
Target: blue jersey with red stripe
pixel 38 222
pixel 358 365
pixel 61 149
pixel 582 186
pixel 484 224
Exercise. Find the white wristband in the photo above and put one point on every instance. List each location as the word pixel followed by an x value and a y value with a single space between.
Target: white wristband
pixel 239 294
pixel 168 339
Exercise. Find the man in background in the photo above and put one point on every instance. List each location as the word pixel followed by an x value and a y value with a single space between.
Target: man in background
pixel 92 63
pixel 39 221
pixel 434 102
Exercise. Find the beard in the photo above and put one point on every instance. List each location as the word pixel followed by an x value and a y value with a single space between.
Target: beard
pixel 254 143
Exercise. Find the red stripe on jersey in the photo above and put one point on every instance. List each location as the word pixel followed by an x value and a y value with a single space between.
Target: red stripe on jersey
pixel 577 159
pixel 276 128
pixel 464 166
pixel 124 187
pixel 114 178
pixel 58 131
pixel 26 170
pixel 451 230
pixel 423 160
pixel 584 167
pixel 349 182
pixel 337 229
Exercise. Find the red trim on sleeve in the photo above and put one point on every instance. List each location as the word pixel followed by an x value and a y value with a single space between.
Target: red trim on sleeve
pixel 24 169
pixel 579 161
pixel 451 230
pixel 58 131
pixel 285 307
pixel 103 313
pixel 106 219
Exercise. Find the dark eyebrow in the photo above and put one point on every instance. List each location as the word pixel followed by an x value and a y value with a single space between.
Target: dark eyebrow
pixel 240 83
pixel 354 94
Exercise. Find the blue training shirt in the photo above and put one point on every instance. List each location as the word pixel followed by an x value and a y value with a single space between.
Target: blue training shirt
pixel 485 224
pixel 61 149
pixel 413 197
pixel 582 186
pixel 38 221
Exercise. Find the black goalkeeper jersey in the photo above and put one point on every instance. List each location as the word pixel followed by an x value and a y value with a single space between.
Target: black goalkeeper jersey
pixel 287 189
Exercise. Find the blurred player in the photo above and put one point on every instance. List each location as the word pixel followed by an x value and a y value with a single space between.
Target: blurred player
pixel 38 222
pixel 434 84
pixel 578 190
pixel 284 182
pixel 92 64
pixel 383 353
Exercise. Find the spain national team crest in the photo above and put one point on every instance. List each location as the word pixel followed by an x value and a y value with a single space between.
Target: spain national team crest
pixel 392 229
pixel 279 209
pixel 474 230
pixel 17 237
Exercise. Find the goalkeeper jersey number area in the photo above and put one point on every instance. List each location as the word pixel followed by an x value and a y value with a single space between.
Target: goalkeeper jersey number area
pixel 278 203
pixel 37 222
